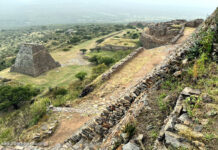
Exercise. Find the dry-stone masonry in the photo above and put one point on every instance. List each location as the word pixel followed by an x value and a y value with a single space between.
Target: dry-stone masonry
pixel 103 132
pixel 166 32
pixel 89 88
pixel 33 60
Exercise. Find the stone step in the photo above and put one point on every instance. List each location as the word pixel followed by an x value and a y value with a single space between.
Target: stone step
pixel 188 132
pixel 176 140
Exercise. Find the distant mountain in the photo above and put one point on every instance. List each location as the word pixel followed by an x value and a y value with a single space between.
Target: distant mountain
pixel 19 13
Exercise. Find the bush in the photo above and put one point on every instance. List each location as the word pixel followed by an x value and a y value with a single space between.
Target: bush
pixel 135 36
pixel 59 91
pixel 66 49
pixel 74 40
pixel 13 96
pixel 130 129
pixel 99 41
pixel 94 59
pixel 105 60
pixel 98 70
pixel 81 75
pixel 37 110
pixel 83 51
pixel 6 134
pixel 102 60
pixel 202 46
pixel 54 43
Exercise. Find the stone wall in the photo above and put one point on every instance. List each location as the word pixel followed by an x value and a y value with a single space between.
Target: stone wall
pixel 114 47
pixel 169 66
pixel 166 32
pixel 104 130
pixel 89 88
pixel 194 23
pixel 180 34
pixel 128 106
pixel 120 64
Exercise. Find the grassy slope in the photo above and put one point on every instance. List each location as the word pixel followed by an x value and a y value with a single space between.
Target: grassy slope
pixel 59 76
pixel 120 40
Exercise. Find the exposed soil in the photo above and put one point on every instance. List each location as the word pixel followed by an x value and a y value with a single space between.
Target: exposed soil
pixel 68 124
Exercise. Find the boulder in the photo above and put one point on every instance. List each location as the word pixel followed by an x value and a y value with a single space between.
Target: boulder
pixel 130 146
pixel 88 89
pixel 187 131
pixel 189 91
pixel 176 140
pixel 184 118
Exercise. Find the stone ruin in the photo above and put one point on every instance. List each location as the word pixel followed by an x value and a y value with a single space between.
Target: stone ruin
pixel 166 32
pixel 33 60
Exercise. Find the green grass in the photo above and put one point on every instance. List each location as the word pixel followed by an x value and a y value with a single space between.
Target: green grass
pixel 56 77
pixel 117 55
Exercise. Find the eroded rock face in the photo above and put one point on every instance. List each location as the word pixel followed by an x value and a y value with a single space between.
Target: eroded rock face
pixel 33 60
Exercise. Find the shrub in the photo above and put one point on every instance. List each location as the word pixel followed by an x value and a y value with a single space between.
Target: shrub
pixel 13 96
pixel 202 46
pixel 83 51
pixel 59 91
pixel 66 49
pixel 207 42
pixel 54 43
pixel 60 101
pixel 37 110
pixel 105 60
pixel 130 129
pixel 96 71
pixel 74 40
pixel 81 75
pixel 6 134
pixel 99 41
pixel 161 104
pixel 135 36
pixel 94 59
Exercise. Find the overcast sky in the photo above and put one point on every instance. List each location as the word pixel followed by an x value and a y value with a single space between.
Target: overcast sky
pixel 37 12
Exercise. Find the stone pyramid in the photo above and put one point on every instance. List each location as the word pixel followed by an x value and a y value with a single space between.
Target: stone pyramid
pixel 33 60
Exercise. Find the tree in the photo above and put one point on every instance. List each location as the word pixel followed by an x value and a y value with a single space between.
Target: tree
pixel 96 71
pixel 74 40
pixel 83 51
pixel 13 96
pixel 135 36
pixel 81 75
pixel 140 25
pixel 99 41
pixel 94 59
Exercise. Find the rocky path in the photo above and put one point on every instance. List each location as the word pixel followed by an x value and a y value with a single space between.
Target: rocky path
pixel 93 104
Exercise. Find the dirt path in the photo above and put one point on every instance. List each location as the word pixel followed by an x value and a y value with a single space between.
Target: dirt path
pixel 109 91
pixel 68 122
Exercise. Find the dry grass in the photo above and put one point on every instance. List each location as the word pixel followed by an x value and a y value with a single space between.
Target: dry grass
pixel 120 40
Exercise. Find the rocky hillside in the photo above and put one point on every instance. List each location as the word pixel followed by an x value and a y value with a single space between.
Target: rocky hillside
pixel 143 102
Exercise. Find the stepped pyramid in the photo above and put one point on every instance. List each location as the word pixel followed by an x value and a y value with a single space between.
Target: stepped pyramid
pixel 33 60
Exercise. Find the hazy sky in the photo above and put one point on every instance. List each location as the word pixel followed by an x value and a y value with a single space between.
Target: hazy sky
pixel 37 12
